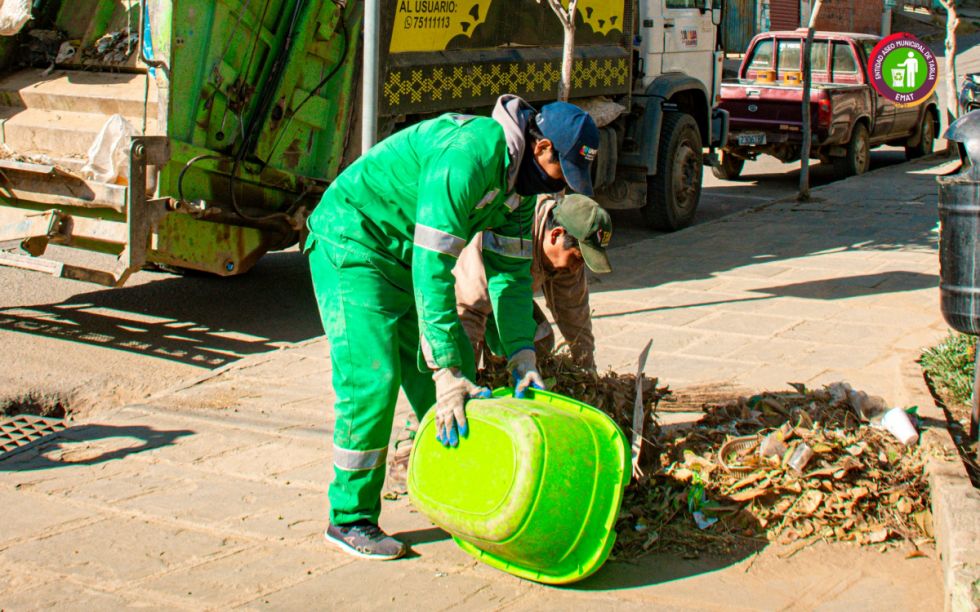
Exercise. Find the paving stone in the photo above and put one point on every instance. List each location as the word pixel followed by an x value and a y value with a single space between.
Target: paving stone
pixel 206 498
pixel 301 516
pixel 800 308
pixel 405 587
pixel 840 333
pixel 119 549
pixel 720 345
pixel 772 351
pixel 317 473
pixel 749 324
pixel 655 315
pixel 240 577
pixel 27 515
pixel 271 459
pixel 104 483
pixel 665 339
pixel 70 595
pixel 672 368
pixel 15 578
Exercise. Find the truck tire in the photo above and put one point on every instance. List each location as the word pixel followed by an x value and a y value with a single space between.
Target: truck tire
pixel 673 193
pixel 858 157
pixel 927 136
pixel 730 167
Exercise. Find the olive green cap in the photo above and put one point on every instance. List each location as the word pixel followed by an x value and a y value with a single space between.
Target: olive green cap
pixel 590 224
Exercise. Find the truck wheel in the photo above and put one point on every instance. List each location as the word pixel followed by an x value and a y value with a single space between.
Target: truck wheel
pixel 673 193
pixel 730 168
pixel 926 139
pixel 858 157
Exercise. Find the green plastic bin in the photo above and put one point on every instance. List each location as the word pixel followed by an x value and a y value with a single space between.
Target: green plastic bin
pixel 534 490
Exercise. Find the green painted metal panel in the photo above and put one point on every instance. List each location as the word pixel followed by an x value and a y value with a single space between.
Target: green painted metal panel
pixel 224 56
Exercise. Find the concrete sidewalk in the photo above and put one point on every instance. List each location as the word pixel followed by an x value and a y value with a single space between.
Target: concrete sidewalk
pixel 214 495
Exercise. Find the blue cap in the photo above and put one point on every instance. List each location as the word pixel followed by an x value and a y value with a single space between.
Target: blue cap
pixel 576 140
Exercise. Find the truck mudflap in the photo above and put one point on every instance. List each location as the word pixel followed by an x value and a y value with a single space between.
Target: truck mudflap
pixel 719 128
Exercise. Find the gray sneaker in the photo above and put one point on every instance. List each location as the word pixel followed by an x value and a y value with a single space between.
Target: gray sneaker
pixel 366 540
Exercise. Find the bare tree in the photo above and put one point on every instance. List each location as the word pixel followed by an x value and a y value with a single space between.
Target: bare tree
pixel 567 19
pixel 807 133
pixel 952 21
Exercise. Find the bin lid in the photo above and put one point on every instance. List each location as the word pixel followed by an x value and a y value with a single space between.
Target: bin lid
pixel 966 130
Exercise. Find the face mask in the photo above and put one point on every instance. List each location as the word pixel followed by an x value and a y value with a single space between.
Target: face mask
pixel 531 177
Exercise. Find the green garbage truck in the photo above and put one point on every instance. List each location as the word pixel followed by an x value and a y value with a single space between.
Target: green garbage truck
pixel 200 134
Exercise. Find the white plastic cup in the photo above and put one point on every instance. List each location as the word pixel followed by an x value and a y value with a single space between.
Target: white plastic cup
pixel 897 422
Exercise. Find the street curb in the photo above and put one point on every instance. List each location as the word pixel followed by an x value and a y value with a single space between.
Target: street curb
pixel 956 523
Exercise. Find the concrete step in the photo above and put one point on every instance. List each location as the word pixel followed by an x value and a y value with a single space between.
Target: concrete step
pixel 57 133
pixel 78 91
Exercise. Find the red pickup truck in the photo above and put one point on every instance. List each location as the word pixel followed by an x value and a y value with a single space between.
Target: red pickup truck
pixel 848 116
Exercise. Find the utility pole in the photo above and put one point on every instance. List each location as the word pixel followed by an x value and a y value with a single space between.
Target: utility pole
pixel 807 132
pixel 369 96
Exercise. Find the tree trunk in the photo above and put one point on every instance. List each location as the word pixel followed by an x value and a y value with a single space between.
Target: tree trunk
pixel 567 59
pixel 952 21
pixel 804 193
pixel 567 19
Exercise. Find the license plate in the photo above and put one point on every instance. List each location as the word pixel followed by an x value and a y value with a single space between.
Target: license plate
pixel 751 139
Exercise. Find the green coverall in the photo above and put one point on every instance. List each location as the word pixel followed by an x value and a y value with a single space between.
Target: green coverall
pixel 383 242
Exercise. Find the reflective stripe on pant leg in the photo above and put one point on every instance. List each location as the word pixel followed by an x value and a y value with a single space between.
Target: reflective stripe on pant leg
pixel 359 308
pixel 357 460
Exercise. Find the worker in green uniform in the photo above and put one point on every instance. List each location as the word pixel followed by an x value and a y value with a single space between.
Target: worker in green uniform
pixel 382 247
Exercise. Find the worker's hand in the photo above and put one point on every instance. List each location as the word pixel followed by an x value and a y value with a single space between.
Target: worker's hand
pixel 452 391
pixel 523 366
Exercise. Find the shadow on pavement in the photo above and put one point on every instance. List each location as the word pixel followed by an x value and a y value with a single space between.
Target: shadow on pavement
pixel 205 321
pixel 422 536
pixel 829 289
pixel 758 185
pixel 656 569
pixel 884 220
pixel 91 445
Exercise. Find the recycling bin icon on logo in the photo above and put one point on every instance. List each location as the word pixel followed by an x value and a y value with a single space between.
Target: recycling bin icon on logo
pixel 898 77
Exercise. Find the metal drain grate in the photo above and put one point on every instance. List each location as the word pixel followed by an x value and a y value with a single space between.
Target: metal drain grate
pixel 26 430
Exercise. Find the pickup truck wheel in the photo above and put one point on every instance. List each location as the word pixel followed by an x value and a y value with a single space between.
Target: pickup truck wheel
pixel 673 193
pixel 926 140
pixel 730 167
pixel 858 157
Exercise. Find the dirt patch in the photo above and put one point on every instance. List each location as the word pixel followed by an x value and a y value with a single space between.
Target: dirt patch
pixel 39 403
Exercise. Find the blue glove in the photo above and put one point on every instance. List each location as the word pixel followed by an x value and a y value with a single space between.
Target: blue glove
pixel 523 366
pixel 452 391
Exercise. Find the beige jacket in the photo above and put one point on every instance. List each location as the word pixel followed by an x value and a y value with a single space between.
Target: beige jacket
pixel 566 293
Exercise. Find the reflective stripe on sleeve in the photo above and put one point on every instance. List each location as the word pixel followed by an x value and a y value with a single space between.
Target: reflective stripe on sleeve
pixel 518 248
pixel 437 240
pixel 354 461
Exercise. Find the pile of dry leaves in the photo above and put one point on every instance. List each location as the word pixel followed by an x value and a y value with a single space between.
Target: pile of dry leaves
pixel 792 467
